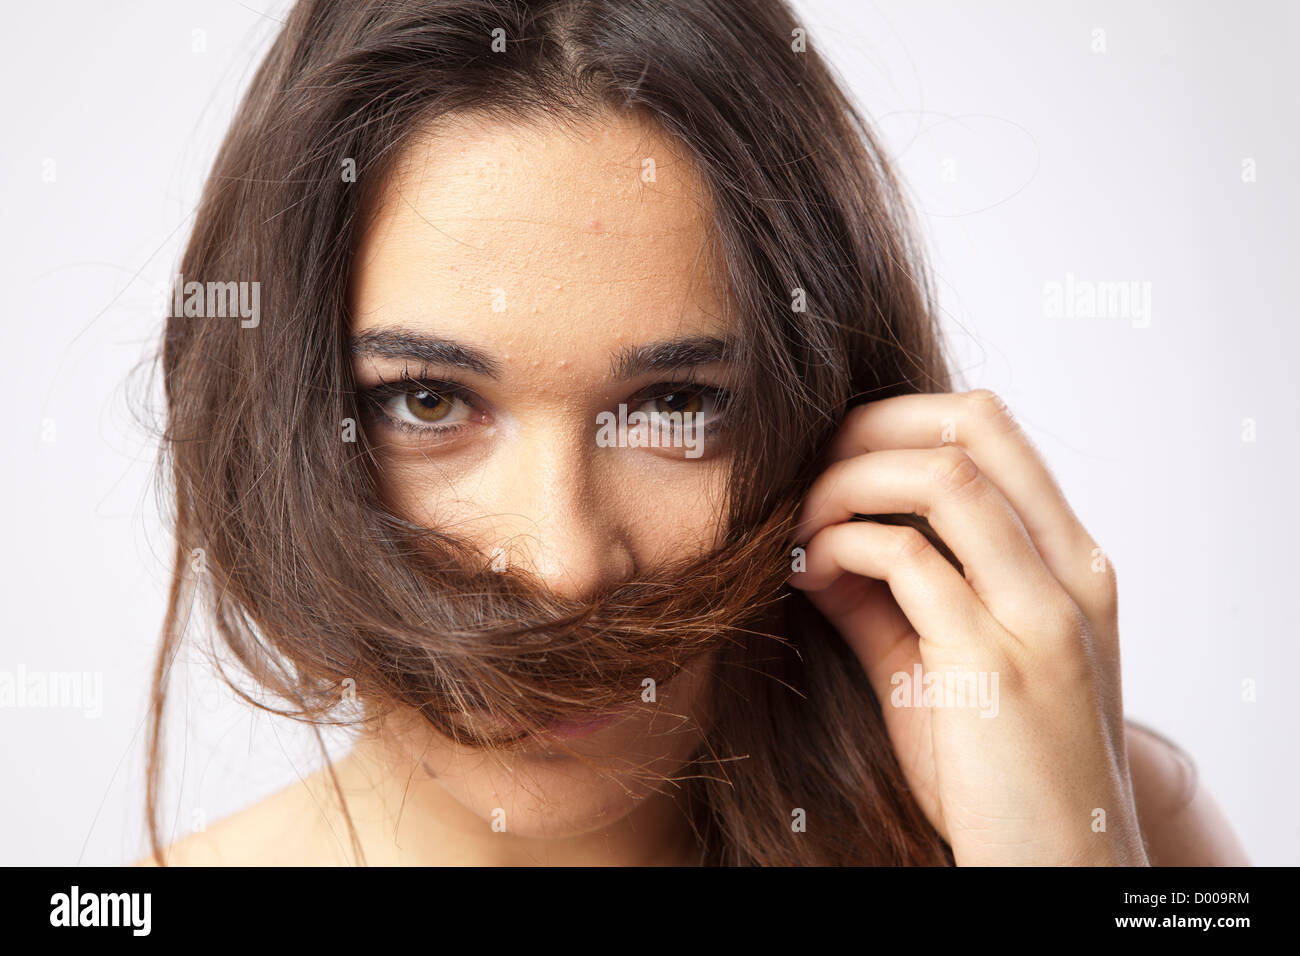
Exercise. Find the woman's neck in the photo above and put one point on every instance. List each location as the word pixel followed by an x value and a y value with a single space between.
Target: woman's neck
pixel 405 817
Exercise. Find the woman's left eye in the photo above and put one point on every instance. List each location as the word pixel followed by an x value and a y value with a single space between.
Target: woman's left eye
pixel 702 401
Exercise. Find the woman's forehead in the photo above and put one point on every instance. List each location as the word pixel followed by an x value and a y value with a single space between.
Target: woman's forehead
pixel 502 228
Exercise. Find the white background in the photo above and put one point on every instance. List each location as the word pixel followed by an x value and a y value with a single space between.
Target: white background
pixel 1029 157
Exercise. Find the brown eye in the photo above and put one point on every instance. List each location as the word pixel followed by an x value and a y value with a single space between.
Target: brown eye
pixel 428 406
pixel 684 402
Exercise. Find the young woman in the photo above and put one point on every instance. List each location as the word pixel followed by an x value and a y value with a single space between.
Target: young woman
pixel 594 455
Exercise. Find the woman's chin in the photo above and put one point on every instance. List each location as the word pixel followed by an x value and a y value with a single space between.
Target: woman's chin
pixel 552 800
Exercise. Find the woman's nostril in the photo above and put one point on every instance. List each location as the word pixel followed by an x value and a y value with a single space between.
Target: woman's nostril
pixel 576 573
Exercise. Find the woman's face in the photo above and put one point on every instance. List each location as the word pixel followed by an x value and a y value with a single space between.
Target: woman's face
pixel 515 287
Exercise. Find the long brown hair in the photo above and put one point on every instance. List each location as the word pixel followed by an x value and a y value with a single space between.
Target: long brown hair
pixel 310 580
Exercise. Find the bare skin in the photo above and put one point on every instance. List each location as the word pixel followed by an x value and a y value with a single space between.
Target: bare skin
pixel 1048 781
pixel 548 253
pixel 302 826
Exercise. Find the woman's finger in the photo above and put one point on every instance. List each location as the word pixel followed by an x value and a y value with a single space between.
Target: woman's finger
pixel 967 511
pixel 939 604
pixel 980 422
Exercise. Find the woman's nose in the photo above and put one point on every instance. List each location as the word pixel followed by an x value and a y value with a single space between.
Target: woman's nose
pixel 555 522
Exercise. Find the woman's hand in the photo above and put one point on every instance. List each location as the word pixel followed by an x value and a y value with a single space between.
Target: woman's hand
pixel 1036 772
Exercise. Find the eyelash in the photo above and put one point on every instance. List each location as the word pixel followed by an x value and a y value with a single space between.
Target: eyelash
pixel 720 397
pixel 378 397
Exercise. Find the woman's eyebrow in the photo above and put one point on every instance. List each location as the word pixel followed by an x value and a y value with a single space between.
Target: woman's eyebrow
pixel 405 344
pixel 629 362
pixel 634 360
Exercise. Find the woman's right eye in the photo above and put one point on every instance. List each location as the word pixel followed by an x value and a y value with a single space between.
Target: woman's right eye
pixel 419 406
pixel 426 407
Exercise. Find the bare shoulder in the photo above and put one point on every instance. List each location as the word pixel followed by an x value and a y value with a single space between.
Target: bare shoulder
pixel 1181 823
pixel 292 827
